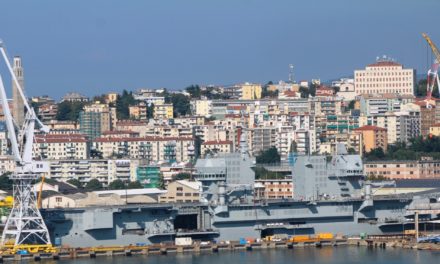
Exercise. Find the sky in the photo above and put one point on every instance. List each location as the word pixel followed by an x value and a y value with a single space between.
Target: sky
pixel 98 46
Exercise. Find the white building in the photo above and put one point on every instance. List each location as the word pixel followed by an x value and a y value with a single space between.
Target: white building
pixel 384 76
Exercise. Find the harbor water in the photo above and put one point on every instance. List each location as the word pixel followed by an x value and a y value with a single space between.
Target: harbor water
pixel 327 255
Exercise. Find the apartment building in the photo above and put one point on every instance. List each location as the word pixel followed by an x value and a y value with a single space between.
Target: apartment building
pixel 60 146
pixel 373 137
pixel 104 170
pixel 163 111
pixel 426 168
pixel 96 118
pixel 274 188
pixel 203 107
pixel 47 112
pixel 400 126
pixel 379 104
pixel 212 147
pixel 152 149
pixel 262 139
pixel 385 76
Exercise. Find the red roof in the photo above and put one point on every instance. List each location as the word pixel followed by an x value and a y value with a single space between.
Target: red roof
pixel 368 127
pixel 220 142
pixel 384 64
pixel 290 93
pixel 60 138
pixel 117 132
pixel 117 139
pixel 130 123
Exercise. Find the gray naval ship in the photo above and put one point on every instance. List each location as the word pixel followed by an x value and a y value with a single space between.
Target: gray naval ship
pixel 330 195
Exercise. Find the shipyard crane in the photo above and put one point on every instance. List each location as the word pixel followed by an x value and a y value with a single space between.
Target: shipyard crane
pixel 433 71
pixel 25 225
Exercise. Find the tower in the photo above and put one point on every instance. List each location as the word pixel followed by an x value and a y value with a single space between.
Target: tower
pixel 18 104
pixel 291 77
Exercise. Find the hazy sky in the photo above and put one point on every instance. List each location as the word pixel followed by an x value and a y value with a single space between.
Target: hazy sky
pixel 96 46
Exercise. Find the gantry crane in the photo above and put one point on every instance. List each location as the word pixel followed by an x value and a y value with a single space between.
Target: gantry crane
pixel 433 71
pixel 24 226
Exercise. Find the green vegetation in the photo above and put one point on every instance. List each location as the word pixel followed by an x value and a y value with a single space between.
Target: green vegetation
pixel 194 91
pixel 269 156
pixel 305 92
pixel 183 176
pixel 150 111
pixel 265 93
pixel 69 111
pixel 76 183
pixel 376 178
pixel 421 88
pixel 418 147
pixel 351 104
pixel 181 104
pixel 5 182
pixel 116 185
pixel 93 185
pixel 134 185
pixel 262 173
pixel 123 102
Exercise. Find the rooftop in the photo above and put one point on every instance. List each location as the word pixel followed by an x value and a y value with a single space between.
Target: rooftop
pixel 368 128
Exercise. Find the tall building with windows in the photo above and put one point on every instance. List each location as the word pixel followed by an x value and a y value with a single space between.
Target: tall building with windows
pixel 384 76
pixel 18 104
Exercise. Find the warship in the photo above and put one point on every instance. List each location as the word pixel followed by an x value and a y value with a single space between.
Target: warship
pixel 330 195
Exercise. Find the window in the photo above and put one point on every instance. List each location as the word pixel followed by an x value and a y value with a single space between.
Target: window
pixel 58 199
pixel 179 189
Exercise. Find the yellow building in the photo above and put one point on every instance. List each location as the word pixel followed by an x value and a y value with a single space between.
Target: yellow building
pixel 373 137
pixel 434 130
pixel 183 191
pixel 250 91
pixel 163 111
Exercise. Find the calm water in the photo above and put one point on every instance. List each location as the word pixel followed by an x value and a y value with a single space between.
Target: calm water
pixel 281 256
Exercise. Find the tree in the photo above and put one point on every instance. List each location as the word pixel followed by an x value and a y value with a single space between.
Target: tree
pixel 269 156
pixel 266 93
pixel 194 91
pixel 181 104
pixel 95 154
pixel 183 176
pixel 304 92
pixel 5 182
pixel 123 102
pixel 197 146
pixel 93 185
pixel 69 111
pixel 375 154
pixel 135 185
pixel 75 182
pixel 116 185
pixel 351 104
pixel 99 98
pixel 150 111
